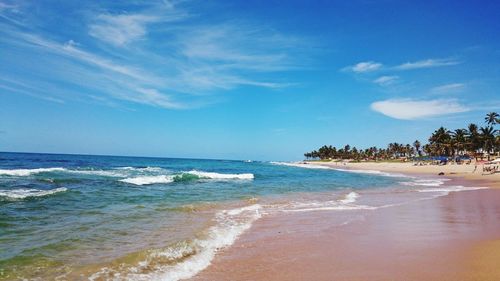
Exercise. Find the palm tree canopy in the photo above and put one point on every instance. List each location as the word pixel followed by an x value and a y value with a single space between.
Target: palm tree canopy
pixel 492 118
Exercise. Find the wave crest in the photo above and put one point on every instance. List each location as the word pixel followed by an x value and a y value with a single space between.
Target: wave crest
pixel 28 172
pixel 23 193
pixel 186 177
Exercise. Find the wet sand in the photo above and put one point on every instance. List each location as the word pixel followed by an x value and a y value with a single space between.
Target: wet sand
pixel 454 237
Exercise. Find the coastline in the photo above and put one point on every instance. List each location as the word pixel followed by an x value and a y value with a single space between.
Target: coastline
pixel 453 237
pixel 465 172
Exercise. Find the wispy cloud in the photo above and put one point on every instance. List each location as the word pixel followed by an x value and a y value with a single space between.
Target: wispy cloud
pixel 362 67
pixel 371 66
pixel 7 7
pixel 197 59
pixel 124 28
pixel 454 87
pixel 120 29
pixel 386 80
pixel 428 63
pixel 408 109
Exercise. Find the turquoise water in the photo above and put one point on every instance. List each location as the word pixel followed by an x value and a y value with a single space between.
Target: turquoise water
pixel 102 217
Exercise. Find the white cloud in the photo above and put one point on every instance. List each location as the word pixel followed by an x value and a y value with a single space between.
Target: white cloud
pixel 407 109
pixel 119 30
pixel 428 63
pixel 122 29
pixel 386 80
pixel 454 87
pixel 362 67
pixel 179 72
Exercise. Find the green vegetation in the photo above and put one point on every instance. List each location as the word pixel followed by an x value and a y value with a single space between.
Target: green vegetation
pixel 473 142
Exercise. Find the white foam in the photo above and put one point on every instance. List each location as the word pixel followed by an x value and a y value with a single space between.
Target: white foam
pixel 350 198
pixel 426 182
pixel 102 173
pixel 372 172
pixel 218 176
pixel 25 193
pixel 323 167
pixel 345 204
pixel 28 172
pixel 149 179
pixel 446 190
pixel 194 256
pixel 301 165
pixel 145 169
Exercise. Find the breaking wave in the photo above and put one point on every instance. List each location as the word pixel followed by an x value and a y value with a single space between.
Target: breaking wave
pixel 187 258
pixel 185 177
pixel 23 193
pixel 28 172
pixel 148 180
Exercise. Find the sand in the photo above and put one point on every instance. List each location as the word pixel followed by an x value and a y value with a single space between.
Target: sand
pixel 468 172
pixel 454 237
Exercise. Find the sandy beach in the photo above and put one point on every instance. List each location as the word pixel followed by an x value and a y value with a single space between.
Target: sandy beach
pixel 468 172
pixel 454 237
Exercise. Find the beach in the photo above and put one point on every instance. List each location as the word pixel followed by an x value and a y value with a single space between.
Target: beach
pixel 469 172
pixel 77 217
pixel 451 237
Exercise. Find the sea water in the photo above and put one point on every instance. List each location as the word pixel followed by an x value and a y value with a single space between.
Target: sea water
pixel 83 217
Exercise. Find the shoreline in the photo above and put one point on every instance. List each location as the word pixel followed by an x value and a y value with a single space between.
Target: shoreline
pixel 453 237
pixel 465 172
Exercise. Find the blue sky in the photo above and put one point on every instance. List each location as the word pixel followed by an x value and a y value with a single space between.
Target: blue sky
pixel 264 80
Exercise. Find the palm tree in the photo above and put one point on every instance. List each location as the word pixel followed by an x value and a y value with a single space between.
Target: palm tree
pixel 474 141
pixel 488 139
pixel 460 139
pixel 417 145
pixel 492 118
pixel 441 141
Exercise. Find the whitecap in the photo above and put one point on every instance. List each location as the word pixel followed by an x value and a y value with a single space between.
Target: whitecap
pixel 25 193
pixel 218 176
pixel 28 172
pixel 149 179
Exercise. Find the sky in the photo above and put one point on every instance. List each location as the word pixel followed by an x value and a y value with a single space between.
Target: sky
pixel 262 80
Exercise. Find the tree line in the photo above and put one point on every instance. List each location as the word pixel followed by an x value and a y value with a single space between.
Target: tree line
pixel 473 141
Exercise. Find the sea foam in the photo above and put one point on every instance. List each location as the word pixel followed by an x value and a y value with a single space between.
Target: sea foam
pixel 186 176
pixel 149 180
pixel 28 172
pixel 344 204
pixel 23 193
pixel 187 258
pixel 350 198
pixel 322 167
pixel 301 165
pixel 218 176
pixel 447 189
pixel 426 182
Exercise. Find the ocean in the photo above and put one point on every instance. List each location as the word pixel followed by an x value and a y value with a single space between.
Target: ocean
pixel 84 217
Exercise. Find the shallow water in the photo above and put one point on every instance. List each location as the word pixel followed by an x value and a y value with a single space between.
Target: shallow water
pixel 77 217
